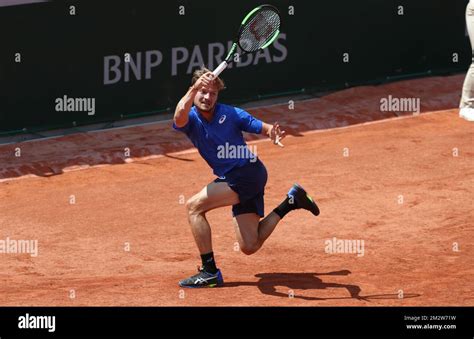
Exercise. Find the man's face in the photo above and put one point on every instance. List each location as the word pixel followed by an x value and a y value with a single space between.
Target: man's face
pixel 206 98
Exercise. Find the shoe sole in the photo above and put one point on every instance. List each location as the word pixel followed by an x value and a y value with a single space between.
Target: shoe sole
pixel 203 286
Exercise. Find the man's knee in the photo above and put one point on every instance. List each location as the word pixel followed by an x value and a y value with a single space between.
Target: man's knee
pixel 250 247
pixel 194 205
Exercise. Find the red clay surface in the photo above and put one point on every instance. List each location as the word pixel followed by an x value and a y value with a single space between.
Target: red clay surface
pixel 408 246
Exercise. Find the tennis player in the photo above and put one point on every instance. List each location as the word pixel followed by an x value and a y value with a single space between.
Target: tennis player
pixel 240 179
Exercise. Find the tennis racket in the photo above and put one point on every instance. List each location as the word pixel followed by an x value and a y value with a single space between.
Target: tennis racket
pixel 257 31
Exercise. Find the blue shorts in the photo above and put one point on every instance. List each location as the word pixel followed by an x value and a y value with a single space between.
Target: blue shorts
pixel 249 183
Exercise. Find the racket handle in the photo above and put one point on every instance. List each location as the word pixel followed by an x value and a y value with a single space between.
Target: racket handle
pixel 220 68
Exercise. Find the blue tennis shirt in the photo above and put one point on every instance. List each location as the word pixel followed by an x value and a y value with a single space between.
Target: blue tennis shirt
pixel 220 141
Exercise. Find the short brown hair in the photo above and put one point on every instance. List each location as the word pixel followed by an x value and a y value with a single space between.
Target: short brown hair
pixel 199 72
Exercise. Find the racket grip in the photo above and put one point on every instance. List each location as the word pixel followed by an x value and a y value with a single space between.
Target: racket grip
pixel 220 68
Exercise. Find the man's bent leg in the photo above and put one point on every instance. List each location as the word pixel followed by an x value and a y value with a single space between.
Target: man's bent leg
pixel 251 232
pixel 267 226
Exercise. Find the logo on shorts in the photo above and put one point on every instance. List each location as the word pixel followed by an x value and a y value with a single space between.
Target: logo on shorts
pixel 222 119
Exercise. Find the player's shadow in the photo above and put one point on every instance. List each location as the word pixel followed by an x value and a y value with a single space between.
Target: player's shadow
pixel 296 282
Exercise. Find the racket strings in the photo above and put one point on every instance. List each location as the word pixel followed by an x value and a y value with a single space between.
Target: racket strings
pixel 259 30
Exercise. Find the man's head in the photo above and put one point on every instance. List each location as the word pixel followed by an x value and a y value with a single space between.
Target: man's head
pixel 206 96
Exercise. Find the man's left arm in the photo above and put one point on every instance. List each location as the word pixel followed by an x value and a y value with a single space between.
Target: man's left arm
pixel 250 124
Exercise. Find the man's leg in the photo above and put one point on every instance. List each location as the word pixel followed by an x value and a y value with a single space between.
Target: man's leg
pixel 252 232
pixel 212 196
pixel 467 99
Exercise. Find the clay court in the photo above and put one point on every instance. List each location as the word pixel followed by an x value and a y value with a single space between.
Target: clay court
pixel 125 240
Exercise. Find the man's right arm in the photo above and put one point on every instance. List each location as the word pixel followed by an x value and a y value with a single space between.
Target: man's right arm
pixel 181 114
